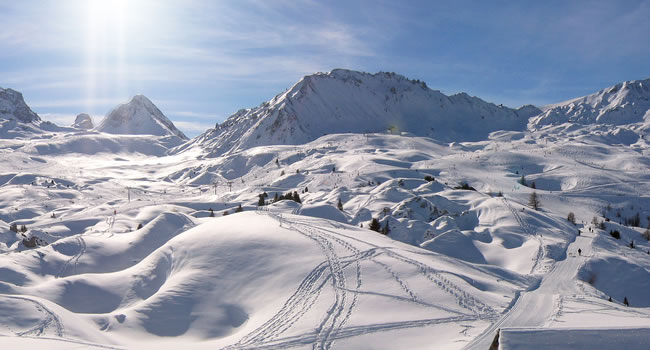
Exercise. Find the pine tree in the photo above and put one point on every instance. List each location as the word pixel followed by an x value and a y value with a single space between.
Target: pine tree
pixel 140 225
pixel 23 229
pixel 13 227
pixel 522 180
pixel 533 201
pixel 211 213
pixel 340 205
pixel 260 201
pixel 296 197
pixel 626 302
pixel 239 209
pixel 374 225
pixel 276 197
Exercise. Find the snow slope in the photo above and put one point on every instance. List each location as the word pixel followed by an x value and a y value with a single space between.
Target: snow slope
pixel 138 247
pixel 139 117
pixel 344 101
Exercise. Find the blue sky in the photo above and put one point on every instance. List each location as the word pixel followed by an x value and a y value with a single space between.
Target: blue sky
pixel 200 61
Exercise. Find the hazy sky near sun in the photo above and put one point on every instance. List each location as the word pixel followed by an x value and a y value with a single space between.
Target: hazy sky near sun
pixel 200 61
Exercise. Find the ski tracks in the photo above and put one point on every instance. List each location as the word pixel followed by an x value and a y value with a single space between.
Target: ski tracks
pixel 332 272
pixel 49 321
pixel 303 299
pixel 74 260
pixel 527 229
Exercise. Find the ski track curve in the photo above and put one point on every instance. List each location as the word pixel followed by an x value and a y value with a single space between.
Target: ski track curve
pixel 303 299
pixel 50 319
pixel 74 260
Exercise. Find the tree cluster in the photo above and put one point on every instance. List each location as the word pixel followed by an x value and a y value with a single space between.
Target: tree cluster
pixel 294 196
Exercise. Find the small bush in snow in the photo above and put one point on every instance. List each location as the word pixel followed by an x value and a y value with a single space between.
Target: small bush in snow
pixel 464 186
pixel 429 178
pixel 615 234
pixel 572 218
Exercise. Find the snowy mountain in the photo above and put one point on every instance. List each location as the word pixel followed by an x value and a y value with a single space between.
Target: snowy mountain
pixel 344 101
pixel 13 106
pixel 83 121
pixel 139 117
pixel 624 103
pixel 112 241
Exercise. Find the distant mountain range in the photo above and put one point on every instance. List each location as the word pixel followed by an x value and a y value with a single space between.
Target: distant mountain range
pixel 344 101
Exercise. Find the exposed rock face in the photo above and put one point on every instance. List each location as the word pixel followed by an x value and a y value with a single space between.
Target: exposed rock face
pixel 13 106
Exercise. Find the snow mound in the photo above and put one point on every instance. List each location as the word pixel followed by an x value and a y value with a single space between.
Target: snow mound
pixel 83 121
pixel 605 274
pixel 139 117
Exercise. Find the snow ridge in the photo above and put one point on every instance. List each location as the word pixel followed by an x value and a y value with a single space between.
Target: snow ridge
pixel 139 117
pixel 624 103
pixel 13 106
pixel 344 101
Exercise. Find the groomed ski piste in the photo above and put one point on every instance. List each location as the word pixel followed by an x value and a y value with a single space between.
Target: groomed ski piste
pixel 290 275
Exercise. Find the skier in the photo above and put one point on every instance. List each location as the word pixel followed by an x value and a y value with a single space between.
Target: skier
pixel 579 251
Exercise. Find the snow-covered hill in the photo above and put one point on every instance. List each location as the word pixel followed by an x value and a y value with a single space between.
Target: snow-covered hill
pixel 139 117
pixel 344 101
pixel 624 103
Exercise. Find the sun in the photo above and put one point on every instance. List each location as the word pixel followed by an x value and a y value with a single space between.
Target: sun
pixel 106 46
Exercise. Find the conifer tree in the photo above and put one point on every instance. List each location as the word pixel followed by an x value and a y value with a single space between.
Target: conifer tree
pixel 533 201
pixel 340 205
pixel 239 209
pixel 626 302
pixel 374 225
pixel 211 213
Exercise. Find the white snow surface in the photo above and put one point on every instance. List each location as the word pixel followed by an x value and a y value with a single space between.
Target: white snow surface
pixel 139 247
pixel 139 117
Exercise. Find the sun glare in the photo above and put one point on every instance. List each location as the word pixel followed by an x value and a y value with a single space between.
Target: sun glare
pixel 106 46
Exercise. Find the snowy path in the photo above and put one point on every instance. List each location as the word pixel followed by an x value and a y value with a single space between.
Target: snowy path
pixel 535 308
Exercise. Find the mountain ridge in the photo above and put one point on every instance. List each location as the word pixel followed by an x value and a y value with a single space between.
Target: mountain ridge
pixel 344 101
